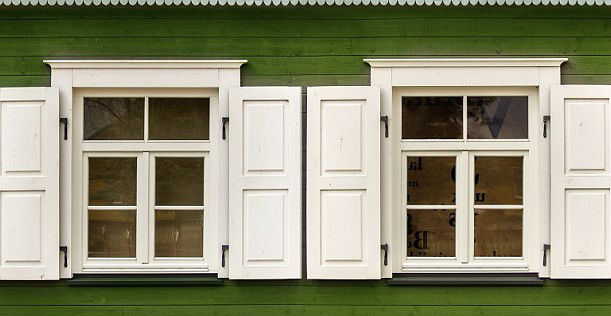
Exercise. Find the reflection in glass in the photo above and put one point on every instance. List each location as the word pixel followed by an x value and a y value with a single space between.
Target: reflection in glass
pixel 179 233
pixel 497 117
pixel 179 118
pixel 112 233
pixel 431 233
pixel 113 118
pixel 179 181
pixel 112 181
pixel 431 180
pixel 498 233
pixel 432 117
pixel 498 180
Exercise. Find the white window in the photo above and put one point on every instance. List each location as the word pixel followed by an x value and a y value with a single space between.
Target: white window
pixel 143 165
pixel 466 189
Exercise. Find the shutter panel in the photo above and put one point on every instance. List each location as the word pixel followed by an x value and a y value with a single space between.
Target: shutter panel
pixel 265 183
pixel 581 182
pixel 343 185
pixel 29 184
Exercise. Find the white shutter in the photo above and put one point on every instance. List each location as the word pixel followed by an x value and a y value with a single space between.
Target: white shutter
pixel 265 183
pixel 581 182
pixel 343 184
pixel 29 184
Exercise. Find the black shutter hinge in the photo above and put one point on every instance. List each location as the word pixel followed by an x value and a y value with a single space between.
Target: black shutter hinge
pixel 64 120
pixel 384 119
pixel 224 121
pixel 64 249
pixel 546 118
pixel 223 249
pixel 385 248
pixel 546 248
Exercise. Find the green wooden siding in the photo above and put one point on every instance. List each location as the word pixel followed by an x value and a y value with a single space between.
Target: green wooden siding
pixel 305 46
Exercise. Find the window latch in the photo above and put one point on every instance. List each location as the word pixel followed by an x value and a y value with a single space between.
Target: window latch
pixel 224 121
pixel 546 118
pixel 385 248
pixel 64 249
pixel 223 249
pixel 64 120
pixel 384 119
pixel 546 248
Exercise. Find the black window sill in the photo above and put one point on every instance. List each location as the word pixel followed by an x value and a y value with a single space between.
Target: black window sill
pixel 144 279
pixel 465 279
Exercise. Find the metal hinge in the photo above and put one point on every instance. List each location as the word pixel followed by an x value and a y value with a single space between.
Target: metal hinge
pixel 546 118
pixel 385 248
pixel 224 121
pixel 546 248
pixel 223 249
pixel 64 249
pixel 384 119
pixel 64 120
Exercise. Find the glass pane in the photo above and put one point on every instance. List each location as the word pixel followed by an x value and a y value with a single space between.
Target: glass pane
pixel 498 180
pixel 112 181
pixel 112 234
pixel 179 181
pixel 431 180
pixel 498 233
pixel 432 117
pixel 179 234
pixel 431 233
pixel 179 118
pixel 113 118
pixel 497 117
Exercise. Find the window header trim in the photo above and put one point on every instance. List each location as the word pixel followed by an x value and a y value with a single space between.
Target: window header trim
pixel 464 62
pixel 145 64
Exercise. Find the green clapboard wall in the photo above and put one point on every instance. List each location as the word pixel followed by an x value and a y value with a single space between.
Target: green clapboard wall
pixel 304 46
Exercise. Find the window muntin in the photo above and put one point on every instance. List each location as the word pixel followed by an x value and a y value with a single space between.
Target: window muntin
pixel 511 219
pixel 162 237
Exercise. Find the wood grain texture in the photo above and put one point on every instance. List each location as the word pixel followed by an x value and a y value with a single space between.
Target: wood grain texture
pixel 304 46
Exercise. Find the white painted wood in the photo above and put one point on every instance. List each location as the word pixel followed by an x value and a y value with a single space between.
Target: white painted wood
pixel 265 183
pixel 29 184
pixel 114 76
pixel 580 182
pixel 343 193
pixel 464 62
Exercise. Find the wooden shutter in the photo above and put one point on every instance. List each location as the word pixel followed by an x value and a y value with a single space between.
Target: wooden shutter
pixel 343 184
pixel 581 182
pixel 265 183
pixel 29 184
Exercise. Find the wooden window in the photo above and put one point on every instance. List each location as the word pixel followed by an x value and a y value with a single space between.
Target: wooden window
pixel 145 159
pixel 464 187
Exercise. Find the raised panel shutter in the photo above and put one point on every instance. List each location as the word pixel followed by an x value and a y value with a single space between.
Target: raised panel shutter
pixel 265 183
pixel 29 184
pixel 343 184
pixel 581 182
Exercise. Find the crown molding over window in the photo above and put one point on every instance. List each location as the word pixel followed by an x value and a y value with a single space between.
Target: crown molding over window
pixel 464 62
pixel 145 64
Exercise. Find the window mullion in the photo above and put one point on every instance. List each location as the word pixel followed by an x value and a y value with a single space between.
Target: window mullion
pixel 142 230
pixel 462 209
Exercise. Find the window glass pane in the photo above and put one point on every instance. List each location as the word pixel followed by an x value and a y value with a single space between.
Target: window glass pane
pixel 497 117
pixel 431 180
pixel 179 181
pixel 498 180
pixel 498 233
pixel 179 118
pixel 179 233
pixel 112 181
pixel 113 118
pixel 432 117
pixel 431 233
pixel 112 233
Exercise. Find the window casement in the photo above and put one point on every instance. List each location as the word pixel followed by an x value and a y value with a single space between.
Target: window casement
pixel 143 162
pixel 466 188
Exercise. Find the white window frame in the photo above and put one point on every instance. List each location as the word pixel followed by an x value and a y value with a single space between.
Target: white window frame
pixel 71 76
pixel 496 73
pixel 145 151
pixel 464 149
